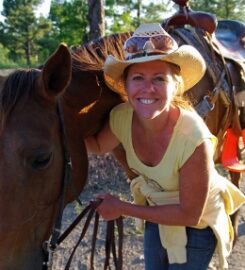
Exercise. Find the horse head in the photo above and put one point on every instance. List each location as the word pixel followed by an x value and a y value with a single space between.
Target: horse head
pixel 35 106
pixel 32 162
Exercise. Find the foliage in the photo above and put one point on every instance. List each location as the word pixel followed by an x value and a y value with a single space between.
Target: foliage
pixel 5 62
pixel 124 16
pixel 21 29
pixel 156 12
pixel 68 25
pixel 223 9
pixel 69 22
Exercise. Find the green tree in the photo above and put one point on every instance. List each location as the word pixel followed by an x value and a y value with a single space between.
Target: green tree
pixel 155 12
pixel 21 29
pixel 4 60
pixel 126 15
pixel 223 9
pixel 69 23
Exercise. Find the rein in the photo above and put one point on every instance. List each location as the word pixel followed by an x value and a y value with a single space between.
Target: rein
pixel 57 238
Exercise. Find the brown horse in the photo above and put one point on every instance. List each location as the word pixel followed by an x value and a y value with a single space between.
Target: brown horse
pixel 32 163
pixel 32 151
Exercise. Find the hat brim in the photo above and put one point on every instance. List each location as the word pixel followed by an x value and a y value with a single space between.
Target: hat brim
pixel 191 63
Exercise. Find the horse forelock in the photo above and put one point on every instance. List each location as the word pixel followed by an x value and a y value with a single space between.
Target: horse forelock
pixel 91 56
pixel 18 85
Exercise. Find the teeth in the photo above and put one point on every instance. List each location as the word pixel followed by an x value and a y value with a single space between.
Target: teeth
pixel 147 101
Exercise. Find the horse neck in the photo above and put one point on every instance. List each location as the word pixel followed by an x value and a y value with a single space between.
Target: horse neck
pixel 89 100
pixel 85 106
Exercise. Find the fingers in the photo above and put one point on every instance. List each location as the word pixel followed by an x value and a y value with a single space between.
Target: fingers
pixel 107 208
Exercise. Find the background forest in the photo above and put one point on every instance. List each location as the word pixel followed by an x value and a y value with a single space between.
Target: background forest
pixel 28 40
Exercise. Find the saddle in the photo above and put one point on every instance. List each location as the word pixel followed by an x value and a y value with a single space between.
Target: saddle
pixel 229 39
pixel 186 16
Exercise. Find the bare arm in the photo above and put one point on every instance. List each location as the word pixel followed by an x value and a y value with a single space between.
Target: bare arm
pixel 103 142
pixel 194 185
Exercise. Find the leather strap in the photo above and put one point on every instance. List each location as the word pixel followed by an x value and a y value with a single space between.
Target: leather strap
pixel 110 245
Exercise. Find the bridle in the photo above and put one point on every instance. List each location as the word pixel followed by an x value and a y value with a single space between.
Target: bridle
pixel 89 211
pixel 50 245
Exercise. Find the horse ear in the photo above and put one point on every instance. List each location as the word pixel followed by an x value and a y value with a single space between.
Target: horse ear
pixel 56 73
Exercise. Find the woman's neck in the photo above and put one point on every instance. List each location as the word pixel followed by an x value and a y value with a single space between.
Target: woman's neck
pixel 161 123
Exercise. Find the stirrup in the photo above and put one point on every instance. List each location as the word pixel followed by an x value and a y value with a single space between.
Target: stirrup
pixel 229 155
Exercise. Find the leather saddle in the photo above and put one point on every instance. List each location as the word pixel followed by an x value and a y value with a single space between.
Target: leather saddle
pixel 229 38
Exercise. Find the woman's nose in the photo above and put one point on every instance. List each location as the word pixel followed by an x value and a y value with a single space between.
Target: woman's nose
pixel 149 85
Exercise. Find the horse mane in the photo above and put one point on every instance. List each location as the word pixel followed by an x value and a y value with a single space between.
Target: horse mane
pixel 91 56
pixel 18 85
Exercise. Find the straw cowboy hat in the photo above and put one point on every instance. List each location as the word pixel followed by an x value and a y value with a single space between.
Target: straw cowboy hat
pixel 151 42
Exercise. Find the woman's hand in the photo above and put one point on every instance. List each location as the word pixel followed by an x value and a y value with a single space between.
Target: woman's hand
pixel 110 207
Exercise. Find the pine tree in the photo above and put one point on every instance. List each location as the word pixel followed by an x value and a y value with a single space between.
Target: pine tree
pixel 223 9
pixel 21 29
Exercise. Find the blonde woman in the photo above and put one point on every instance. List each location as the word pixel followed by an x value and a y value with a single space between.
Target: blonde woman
pixel 178 192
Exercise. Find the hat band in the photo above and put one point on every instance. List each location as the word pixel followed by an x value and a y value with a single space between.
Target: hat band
pixel 143 54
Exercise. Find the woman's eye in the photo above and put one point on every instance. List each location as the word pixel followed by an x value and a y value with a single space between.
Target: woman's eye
pixel 137 78
pixel 159 79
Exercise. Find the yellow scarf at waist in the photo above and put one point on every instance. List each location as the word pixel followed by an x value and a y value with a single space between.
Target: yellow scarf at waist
pixel 223 200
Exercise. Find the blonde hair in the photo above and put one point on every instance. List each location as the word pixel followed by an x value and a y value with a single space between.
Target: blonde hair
pixel 179 100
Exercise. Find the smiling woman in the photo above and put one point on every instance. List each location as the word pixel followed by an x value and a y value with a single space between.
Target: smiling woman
pixel 178 192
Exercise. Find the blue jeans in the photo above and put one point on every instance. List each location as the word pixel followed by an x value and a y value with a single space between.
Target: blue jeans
pixel 200 248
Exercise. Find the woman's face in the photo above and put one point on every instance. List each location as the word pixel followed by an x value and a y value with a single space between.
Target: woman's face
pixel 150 87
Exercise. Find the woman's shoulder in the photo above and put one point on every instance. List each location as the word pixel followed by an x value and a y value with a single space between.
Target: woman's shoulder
pixel 122 109
pixel 192 123
pixel 192 132
pixel 120 115
pixel 120 121
pixel 125 106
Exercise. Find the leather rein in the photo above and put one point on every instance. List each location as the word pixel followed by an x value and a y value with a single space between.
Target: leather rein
pixel 89 211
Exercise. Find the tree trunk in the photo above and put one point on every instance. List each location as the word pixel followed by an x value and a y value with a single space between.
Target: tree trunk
pixel 96 18
pixel 139 4
pixel 28 53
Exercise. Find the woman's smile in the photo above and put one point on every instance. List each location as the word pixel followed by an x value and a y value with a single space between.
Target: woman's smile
pixel 147 101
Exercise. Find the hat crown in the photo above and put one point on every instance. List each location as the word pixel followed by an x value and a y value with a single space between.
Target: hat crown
pixel 148 30
pixel 149 39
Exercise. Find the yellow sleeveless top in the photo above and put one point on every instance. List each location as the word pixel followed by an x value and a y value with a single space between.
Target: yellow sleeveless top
pixel 223 200
pixel 190 131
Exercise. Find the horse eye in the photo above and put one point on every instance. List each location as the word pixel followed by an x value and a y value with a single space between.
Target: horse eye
pixel 41 162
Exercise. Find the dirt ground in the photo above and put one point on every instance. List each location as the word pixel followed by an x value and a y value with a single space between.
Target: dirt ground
pixel 106 175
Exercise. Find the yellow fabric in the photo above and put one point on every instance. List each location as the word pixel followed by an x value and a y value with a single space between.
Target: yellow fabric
pixel 224 199
pixel 160 184
pixel 189 132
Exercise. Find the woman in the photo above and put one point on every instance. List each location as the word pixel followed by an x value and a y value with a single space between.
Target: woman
pixel 178 191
